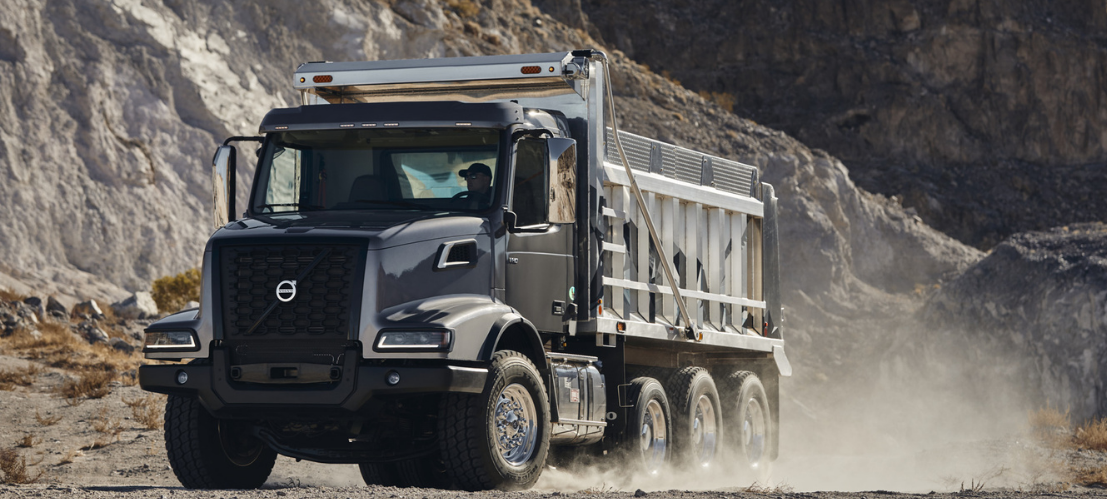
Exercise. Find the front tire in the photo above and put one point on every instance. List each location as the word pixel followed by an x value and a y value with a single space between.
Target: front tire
pixel 498 439
pixel 207 453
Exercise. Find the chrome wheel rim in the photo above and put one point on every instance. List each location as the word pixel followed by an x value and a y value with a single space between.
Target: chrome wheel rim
pixel 705 430
pixel 753 432
pixel 652 436
pixel 515 425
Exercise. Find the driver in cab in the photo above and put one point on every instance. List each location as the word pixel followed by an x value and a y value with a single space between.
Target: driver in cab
pixel 478 182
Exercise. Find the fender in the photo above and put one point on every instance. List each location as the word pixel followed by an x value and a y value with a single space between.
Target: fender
pixel 529 342
pixel 472 318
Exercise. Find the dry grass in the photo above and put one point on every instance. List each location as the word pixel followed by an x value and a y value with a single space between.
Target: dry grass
pixel 18 377
pixel 70 456
pixel 171 293
pixel 61 348
pixel 464 8
pixel 1051 427
pixel 665 74
pixel 148 411
pixel 47 420
pixel 107 426
pixel 90 384
pixel 99 443
pixel 1091 476
pixel 1092 435
pixel 721 99
pixel 1054 428
pixel 13 468
pixel 7 294
pixel 29 440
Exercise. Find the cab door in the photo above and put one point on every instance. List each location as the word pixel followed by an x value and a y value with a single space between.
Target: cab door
pixel 540 265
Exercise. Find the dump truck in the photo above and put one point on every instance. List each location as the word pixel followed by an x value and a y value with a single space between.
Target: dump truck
pixel 453 271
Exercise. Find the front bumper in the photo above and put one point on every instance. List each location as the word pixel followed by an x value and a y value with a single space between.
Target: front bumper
pixel 358 386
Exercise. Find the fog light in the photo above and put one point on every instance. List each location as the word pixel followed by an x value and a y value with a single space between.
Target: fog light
pixel 393 378
pixel 182 377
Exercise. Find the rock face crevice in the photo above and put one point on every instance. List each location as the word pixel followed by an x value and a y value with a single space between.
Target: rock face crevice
pixel 967 110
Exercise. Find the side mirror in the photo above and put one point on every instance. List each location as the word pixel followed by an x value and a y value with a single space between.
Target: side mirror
pixel 223 185
pixel 561 187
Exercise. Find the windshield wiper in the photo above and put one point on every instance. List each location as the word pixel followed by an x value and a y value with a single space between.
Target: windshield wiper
pixel 406 204
pixel 303 207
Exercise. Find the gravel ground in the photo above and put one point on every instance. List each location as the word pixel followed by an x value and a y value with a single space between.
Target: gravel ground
pixel 130 461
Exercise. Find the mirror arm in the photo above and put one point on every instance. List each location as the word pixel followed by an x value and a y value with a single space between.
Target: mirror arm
pixel 244 138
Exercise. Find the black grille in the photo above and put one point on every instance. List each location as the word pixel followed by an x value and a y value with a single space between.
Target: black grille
pixel 321 306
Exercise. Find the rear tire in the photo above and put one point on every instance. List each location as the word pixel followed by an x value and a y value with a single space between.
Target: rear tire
pixel 750 421
pixel 697 418
pixel 497 439
pixel 649 430
pixel 424 472
pixel 383 474
pixel 207 453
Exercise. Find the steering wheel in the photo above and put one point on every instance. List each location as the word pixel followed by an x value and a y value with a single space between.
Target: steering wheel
pixel 463 195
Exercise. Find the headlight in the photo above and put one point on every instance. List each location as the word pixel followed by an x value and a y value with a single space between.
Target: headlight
pixel 170 340
pixel 414 340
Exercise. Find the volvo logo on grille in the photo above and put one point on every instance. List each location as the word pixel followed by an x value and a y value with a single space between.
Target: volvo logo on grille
pixel 286 291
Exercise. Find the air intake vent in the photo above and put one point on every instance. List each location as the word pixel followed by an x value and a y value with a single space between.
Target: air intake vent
pixel 456 254
pixel 461 253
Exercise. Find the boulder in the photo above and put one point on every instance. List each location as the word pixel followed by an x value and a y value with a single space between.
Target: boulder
pixel 121 345
pixel 138 306
pixel 89 308
pixel 37 306
pixel 9 323
pixel 89 332
pixel 191 305
pixel 25 312
pixel 54 307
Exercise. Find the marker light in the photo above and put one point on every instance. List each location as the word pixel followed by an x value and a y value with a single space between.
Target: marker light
pixel 531 70
pixel 322 78
pixel 182 377
pixel 393 378
pixel 551 69
pixel 302 79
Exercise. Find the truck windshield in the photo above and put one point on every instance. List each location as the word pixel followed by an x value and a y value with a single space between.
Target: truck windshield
pixel 382 169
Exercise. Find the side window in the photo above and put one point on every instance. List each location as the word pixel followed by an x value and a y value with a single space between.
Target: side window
pixel 284 180
pixel 528 200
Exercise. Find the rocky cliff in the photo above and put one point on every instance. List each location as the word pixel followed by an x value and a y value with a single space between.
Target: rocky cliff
pixel 1035 312
pixel 985 117
pixel 111 110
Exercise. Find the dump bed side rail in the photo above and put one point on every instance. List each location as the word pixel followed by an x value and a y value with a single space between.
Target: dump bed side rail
pixel 710 219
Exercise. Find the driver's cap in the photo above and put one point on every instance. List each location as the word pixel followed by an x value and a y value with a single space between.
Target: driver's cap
pixel 476 168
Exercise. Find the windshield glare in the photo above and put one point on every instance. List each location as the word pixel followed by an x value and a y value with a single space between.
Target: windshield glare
pixel 406 169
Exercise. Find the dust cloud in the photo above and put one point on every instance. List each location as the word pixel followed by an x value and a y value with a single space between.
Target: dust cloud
pixel 918 413
pixel 915 414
